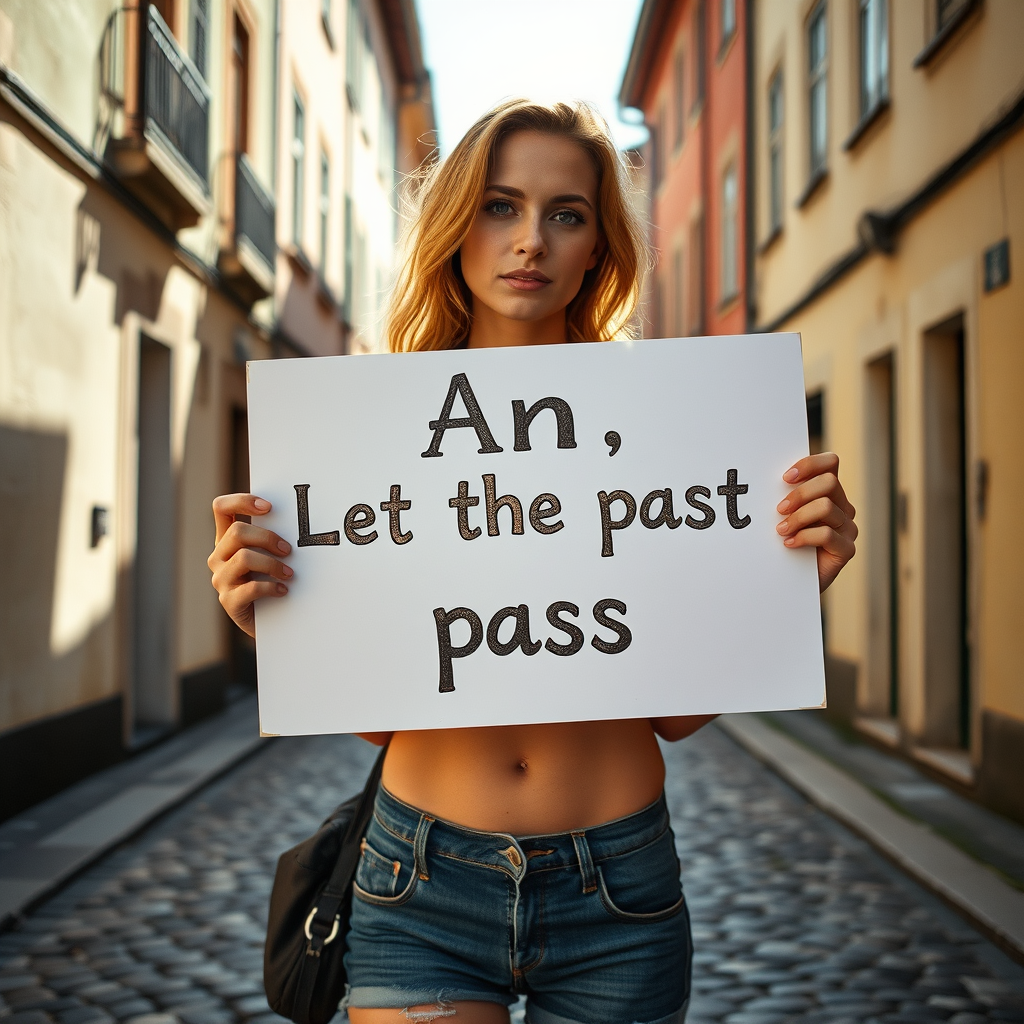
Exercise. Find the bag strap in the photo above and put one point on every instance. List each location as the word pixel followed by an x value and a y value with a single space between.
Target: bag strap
pixel 324 923
pixel 344 869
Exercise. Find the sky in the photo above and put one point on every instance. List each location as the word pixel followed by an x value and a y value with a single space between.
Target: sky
pixel 480 52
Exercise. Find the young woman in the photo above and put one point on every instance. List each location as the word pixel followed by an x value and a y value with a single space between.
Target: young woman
pixel 534 858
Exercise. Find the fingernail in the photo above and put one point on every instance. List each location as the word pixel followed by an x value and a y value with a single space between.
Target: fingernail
pixel 783 527
pixel 261 504
pixel 289 571
pixel 791 474
pixel 282 589
pixel 789 541
pixel 283 545
pixel 783 506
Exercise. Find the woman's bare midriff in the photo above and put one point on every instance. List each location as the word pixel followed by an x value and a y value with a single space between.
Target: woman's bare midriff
pixel 528 779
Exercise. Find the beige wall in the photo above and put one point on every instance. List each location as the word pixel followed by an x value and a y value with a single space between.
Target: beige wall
pixel 82 279
pixel 936 112
pixel 886 306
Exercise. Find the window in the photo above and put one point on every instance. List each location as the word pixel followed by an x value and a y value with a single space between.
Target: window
pixel 662 148
pixel 700 50
pixel 679 310
pixel 298 168
pixel 727 21
pixel 197 36
pixel 873 24
pixel 696 247
pixel 730 234
pixel 354 54
pixel 240 84
pixel 775 193
pixel 657 150
pixel 679 108
pixel 349 258
pixel 325 209
pixel 817 85
pixel 816 421
pixel 386 144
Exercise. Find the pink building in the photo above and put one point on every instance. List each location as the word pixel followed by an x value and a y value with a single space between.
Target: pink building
pixel 687 72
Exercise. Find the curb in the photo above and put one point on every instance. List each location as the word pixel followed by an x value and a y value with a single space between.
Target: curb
pixel 33 872
pixel 992 906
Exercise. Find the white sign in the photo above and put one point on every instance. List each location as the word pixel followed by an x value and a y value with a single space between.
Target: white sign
pixel 535 534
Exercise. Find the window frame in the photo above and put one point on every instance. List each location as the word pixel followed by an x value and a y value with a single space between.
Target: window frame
pixel 679 89
pixel 817 79
pixel 354 35
pixel 241 76
pixel 700 49
pixel 324 210
pixel 726 30
pixel 678 292
pixel 776 161
pixel 696 312
pixel 199 34
pixel 298 154
pixel 729 235
pixel 872 56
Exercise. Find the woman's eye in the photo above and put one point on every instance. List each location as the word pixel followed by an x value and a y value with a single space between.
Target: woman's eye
pixel 569 217
pixel 500 207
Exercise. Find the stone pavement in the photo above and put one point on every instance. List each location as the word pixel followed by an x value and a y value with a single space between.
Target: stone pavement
pixel 794 918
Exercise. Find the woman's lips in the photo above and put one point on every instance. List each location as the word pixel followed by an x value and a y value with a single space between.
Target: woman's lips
pixel 526 281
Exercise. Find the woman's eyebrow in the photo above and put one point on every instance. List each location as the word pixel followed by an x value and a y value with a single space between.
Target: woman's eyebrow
pixel 572 197
pixel 518 193
pixel 505 190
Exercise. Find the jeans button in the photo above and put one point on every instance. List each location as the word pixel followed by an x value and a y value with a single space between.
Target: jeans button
pixel 514 856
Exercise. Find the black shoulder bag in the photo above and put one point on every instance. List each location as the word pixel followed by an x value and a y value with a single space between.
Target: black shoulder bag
pixel 303 966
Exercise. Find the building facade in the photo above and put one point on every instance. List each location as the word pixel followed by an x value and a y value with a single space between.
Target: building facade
pixel 147 152
pixel 888 204
pixel 687 73
pixel 356 114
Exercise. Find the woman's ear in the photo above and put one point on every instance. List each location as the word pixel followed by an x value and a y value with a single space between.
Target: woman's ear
pixel 599 248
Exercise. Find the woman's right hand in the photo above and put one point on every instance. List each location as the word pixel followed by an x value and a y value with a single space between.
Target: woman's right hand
pixel 243 556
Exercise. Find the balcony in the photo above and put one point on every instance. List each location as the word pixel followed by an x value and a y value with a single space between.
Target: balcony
pixel 159 146
pixel 247 260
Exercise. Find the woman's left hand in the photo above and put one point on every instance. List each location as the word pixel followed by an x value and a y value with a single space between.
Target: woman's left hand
pixel 818 514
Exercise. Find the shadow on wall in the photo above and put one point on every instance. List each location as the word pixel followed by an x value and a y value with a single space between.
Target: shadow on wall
pixel 39 762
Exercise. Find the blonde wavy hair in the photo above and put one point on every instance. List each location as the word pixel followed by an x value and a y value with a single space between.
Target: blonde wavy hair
pixel 431 306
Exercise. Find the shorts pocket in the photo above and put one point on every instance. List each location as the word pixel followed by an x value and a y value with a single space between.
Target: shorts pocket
pixel 384 874
pixel 643 885
pixel 376 873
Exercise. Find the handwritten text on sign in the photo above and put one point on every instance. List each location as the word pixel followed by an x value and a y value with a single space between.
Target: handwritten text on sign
pixel 524 493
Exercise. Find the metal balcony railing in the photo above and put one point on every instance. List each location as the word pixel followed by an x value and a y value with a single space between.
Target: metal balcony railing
pixel 175 97
pixel 254 211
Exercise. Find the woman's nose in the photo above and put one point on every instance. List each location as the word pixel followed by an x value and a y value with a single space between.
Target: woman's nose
pixel 530 241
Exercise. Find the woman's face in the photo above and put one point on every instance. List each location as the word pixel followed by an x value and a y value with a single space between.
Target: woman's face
pixel 535 235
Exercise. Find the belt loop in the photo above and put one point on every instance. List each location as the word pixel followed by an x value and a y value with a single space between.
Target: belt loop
pixel 420 847
pixel 579 840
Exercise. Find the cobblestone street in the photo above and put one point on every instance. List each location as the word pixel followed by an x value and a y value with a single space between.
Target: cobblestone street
pixel 794 919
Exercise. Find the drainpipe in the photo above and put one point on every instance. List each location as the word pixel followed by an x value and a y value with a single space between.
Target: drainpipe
pixel 750 189
pixel 275 98
pixel 707 298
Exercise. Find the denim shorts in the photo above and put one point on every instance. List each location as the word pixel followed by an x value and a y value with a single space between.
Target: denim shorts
pixel 591 926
